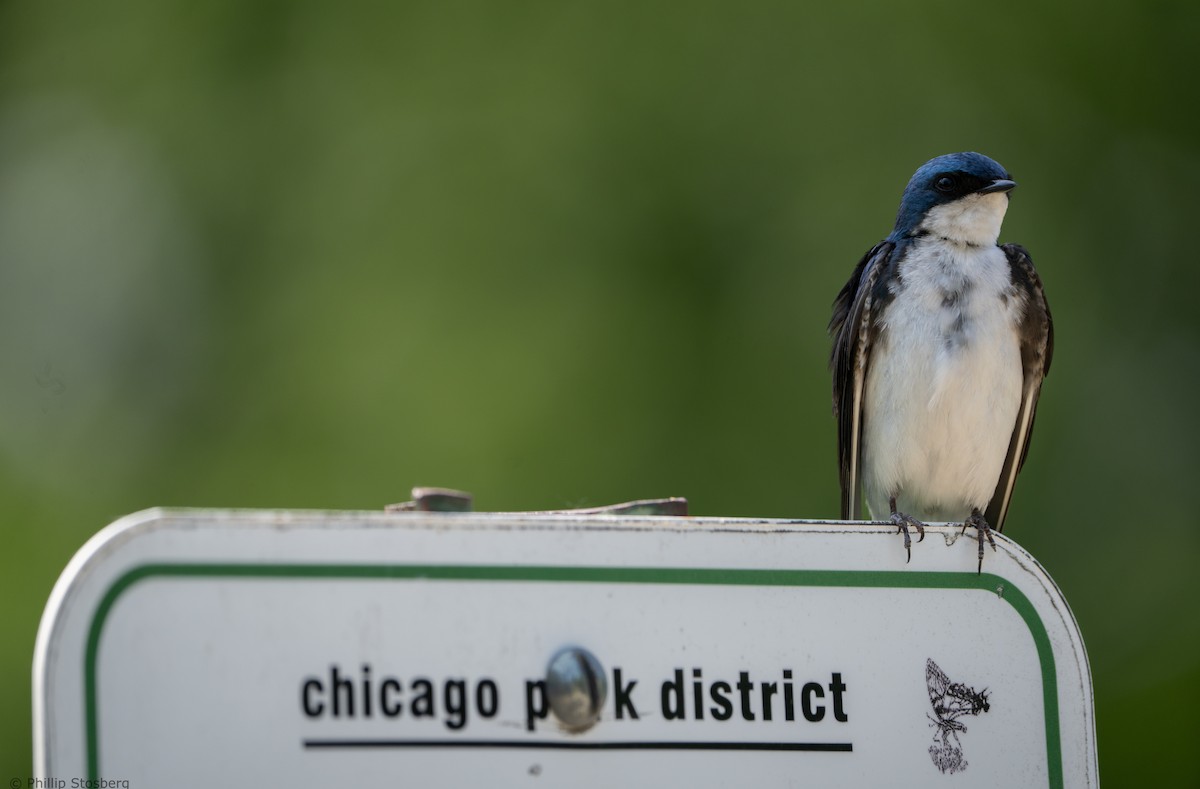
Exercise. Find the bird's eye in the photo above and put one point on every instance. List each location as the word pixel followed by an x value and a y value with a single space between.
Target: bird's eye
pixel 945 183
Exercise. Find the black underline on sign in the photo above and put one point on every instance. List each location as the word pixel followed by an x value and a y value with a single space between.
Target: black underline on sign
pixel 635 745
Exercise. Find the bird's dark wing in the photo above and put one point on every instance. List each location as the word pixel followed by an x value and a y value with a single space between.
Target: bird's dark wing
pixel 852 328
pixel 1037 347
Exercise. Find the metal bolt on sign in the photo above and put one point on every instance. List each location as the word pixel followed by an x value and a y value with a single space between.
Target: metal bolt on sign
pixel 576 688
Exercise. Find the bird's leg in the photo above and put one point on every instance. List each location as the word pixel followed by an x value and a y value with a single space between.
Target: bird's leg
pixel 903 524
pixel 982 528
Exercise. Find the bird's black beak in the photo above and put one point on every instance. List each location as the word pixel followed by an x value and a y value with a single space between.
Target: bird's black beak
pixel 999 185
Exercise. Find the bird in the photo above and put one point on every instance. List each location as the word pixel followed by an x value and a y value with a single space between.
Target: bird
pixel 942 338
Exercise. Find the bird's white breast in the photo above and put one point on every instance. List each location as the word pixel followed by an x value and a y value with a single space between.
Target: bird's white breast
pixel 944 382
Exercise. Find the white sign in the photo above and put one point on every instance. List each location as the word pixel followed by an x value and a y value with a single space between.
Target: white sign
pixel 200 648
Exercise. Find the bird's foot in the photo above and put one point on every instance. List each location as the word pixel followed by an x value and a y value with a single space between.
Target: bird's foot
pixel 982 529
pixel 903 523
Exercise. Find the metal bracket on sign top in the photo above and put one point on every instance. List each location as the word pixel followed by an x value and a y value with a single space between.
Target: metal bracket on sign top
pixel 449 500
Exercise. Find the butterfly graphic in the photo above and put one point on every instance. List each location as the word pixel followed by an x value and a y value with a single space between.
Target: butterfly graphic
pixel 950 701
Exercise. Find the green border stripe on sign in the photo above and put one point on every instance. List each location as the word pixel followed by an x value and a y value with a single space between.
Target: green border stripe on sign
pixel 987 582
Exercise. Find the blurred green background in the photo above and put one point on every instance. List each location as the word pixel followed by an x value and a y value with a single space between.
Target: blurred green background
pixel 305 254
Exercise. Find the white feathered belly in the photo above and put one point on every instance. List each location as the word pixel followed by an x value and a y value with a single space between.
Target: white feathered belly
pixel 943 386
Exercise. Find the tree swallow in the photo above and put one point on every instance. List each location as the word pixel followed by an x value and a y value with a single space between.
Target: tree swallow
pixel 941 340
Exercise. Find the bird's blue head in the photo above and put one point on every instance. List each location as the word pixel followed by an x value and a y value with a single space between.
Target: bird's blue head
pixel 960 196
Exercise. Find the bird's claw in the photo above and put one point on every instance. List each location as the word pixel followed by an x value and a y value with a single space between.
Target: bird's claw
pixel 983 530
pixel 903 523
